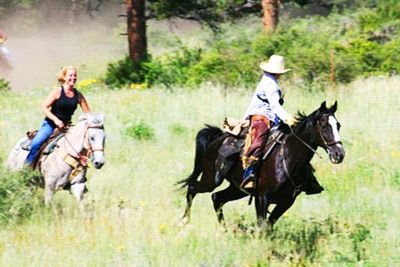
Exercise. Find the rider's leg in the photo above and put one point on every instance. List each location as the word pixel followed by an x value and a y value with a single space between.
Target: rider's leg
pixel 42 135
pixel 258 132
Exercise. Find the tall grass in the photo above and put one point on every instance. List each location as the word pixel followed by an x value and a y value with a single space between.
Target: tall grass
pixel 134 207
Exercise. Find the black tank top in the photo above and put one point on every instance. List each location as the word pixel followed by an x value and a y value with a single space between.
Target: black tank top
pixel 64 107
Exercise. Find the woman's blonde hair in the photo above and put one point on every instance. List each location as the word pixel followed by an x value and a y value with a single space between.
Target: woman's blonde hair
pixel 63 71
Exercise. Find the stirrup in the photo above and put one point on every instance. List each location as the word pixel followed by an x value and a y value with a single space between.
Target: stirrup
pixel 249 178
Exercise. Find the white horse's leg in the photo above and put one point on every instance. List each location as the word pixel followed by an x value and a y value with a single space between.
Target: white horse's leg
pixel 49 190
pixel 78 190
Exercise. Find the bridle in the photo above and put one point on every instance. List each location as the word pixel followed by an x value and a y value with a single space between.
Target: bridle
pixel 88 149
pixel 297 188
pixel 326 143
pixel 319 130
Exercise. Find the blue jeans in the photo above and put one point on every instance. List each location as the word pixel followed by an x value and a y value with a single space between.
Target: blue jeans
pixel 42 135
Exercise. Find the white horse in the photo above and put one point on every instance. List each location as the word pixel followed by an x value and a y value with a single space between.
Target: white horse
pixel 66 165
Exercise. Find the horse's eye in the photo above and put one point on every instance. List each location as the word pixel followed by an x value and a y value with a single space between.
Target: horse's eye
pixel 338 126
pixel 92 138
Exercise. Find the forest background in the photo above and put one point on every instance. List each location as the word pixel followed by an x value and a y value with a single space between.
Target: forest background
pixel 199 67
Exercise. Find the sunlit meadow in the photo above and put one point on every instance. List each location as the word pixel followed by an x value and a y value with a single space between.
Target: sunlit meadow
pixel 133 206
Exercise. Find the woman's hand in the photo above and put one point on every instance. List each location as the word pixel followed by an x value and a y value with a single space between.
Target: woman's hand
pixel 59 123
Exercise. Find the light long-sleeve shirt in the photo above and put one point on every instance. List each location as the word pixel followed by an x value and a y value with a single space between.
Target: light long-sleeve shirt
pixel 266 101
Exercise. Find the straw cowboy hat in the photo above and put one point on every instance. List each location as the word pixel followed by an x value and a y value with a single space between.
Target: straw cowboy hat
pixel 275 65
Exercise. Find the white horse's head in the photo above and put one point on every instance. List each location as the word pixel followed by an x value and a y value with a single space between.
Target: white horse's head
pixel 95 137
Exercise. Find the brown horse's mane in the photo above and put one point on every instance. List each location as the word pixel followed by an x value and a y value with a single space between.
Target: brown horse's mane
pixel 303 120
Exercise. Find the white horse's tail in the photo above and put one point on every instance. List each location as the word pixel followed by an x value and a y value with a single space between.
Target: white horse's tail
pixel 17 156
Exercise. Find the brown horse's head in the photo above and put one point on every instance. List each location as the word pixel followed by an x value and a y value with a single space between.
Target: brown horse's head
pixel 328 137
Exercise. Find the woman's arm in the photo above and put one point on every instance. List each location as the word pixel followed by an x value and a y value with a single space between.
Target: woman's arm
pixel 83 103
pixel 46 107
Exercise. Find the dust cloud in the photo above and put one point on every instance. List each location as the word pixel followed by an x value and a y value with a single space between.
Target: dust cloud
pixel 39 48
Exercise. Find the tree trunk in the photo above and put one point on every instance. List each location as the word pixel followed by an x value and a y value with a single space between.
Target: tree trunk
pixel 135 10
pixel 270 14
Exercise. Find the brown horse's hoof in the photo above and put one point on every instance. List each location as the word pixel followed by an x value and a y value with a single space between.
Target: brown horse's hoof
pixel 314 189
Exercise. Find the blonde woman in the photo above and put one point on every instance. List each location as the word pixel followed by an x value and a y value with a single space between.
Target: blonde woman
pixel 58 108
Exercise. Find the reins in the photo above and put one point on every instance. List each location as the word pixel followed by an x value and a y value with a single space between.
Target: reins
pixel 82 157
pixel 305 144
pixel 297 188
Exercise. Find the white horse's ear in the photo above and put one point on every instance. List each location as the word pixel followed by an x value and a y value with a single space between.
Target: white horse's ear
pixel 83 116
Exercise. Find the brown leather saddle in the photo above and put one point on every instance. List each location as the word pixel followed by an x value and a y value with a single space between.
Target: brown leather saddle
pixel 47 147
pixel 232 149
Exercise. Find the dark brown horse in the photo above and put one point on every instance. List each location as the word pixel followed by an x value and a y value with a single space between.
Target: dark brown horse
pixel 281 176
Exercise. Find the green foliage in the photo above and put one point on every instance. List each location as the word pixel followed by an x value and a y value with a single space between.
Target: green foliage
pixel 140 131
pixel 319 50
pixel 4 85
pixel 124 72
pixel 173 69
pixel 178 129
pixel 18 196
pixel 360 234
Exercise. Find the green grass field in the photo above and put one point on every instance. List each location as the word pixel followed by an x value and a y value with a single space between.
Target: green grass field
pixel 134 208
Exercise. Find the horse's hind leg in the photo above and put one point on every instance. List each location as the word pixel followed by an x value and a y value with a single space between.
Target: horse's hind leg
pixel 49 190
pixel 221 197
pixel 206 184
pixel 191 193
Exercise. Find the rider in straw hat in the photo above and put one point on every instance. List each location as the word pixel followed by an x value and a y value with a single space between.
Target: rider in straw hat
pixel 265 111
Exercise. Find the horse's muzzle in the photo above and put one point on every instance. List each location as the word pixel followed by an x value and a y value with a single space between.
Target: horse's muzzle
pixel 336 153
pixel 98 159
pixel 98 164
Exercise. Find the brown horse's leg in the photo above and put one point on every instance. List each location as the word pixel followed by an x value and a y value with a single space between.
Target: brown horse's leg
pixel 206 184
pixel 261 209
pixel 279 209
pixel 221 197
pixel 191 193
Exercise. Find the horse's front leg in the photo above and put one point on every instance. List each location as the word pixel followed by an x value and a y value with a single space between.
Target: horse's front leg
pixel 78 188
pixel 279 209
pixel 261 209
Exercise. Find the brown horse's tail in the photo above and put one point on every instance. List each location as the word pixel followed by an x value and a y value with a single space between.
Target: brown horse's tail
pixel 204 137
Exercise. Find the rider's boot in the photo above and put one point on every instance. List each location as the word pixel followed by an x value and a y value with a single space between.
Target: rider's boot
pixel 249 175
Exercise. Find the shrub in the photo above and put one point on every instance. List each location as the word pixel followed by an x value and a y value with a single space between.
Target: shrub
pixel 124 72
pixel 140 131
pixel 4 85
pixel 18 197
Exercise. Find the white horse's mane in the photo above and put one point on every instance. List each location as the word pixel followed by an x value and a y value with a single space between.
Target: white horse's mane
pixel 93 119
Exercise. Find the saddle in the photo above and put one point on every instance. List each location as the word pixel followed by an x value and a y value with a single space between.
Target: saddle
pixel 47 147
pixel 232 147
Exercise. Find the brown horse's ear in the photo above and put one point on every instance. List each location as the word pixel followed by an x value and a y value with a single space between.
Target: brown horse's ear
pixel 334 107
pixel 323 106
